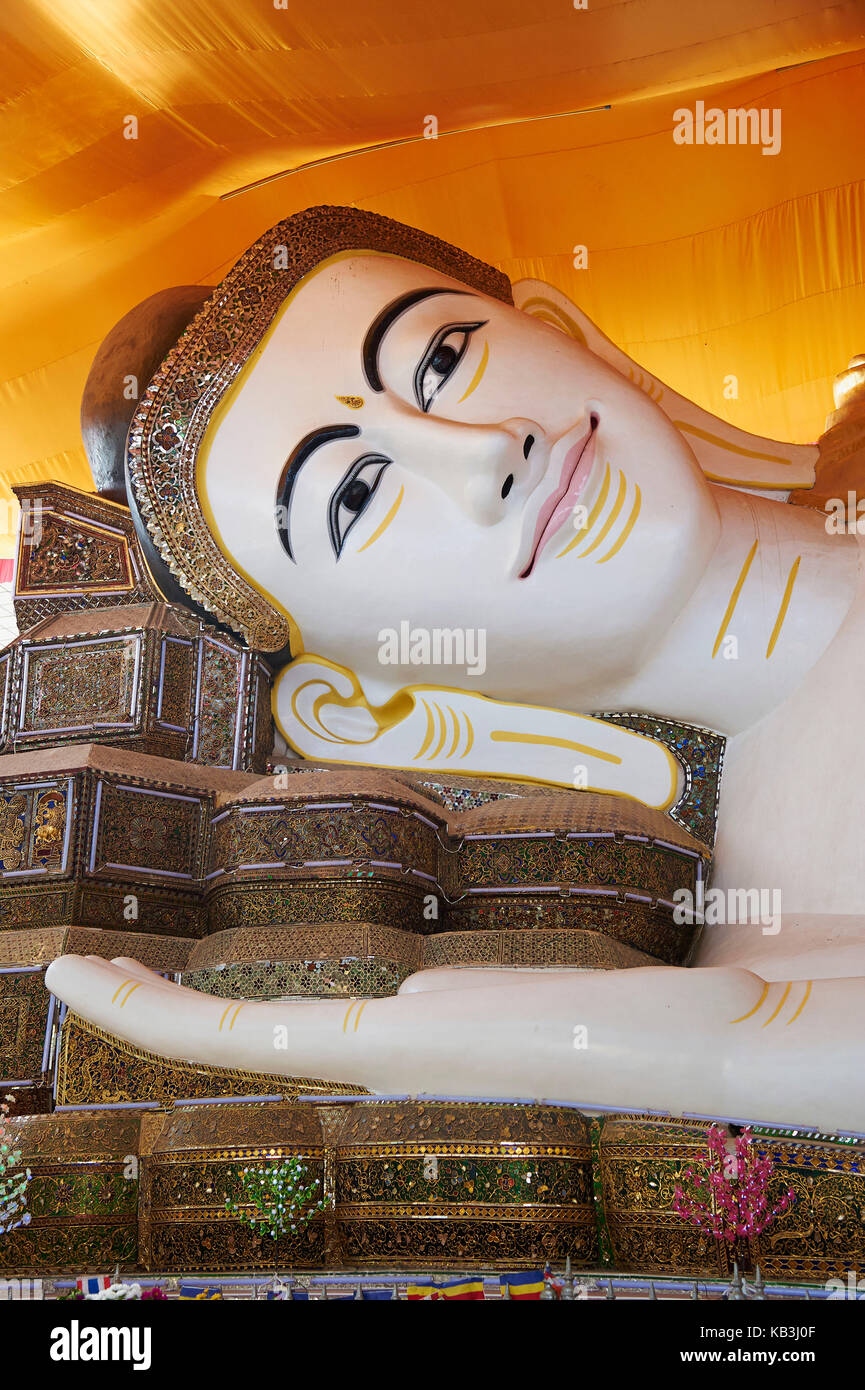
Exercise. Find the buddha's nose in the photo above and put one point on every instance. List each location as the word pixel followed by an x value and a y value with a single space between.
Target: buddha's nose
pixel 484 469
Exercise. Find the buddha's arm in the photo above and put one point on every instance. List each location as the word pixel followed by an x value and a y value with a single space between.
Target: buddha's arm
pixel 718 1041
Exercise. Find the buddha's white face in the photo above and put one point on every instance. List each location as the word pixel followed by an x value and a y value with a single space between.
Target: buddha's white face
pixel 498 477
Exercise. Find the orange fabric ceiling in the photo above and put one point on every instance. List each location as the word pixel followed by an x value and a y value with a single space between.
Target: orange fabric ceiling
pixel 704 262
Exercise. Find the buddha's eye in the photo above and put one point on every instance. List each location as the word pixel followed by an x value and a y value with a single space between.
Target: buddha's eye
pixel 440 360
pixel 352 497
pixel 356 496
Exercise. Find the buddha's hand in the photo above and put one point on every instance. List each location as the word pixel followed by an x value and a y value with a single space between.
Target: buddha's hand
pixel 131 1002
pixel 715 1041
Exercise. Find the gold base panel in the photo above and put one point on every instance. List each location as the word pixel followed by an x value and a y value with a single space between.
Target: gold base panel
pixel 413 1184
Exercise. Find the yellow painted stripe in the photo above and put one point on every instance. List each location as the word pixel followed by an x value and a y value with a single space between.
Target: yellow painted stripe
pixel 605 529
pixel 240 1006
pixel 225 1016
pixel 785 604
pixel 131 991
pixel 476 379
pixel 430 730
pixel 627 530
pixel 547 318
pixel 117 991
pixel 347 1012
pixel 551 313
pixel 734 599
pixel 386 523
pixel 504 736
pixel 772 1018
pixel 358 1014
pixel 725 444
pixel 443 732
pixel 759 1004
pixel 456 738
pixel 471 731
pixel 591 518
pixel 805 997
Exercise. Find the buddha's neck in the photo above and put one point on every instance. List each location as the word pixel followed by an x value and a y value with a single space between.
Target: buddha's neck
pixel 773 598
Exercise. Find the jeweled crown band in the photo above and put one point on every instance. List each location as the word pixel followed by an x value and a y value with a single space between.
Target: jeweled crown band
pixel 171 420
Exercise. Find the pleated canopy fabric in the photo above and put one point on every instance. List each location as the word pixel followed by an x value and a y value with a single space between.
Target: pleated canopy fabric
pixel 125 123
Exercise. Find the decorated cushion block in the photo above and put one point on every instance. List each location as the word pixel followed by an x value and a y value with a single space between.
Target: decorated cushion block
pixel 460 1184
pixel 192 1163
pixel 82 1196
pixel 75 551
pixel 108 838
pixel 104 837
pixel 146 676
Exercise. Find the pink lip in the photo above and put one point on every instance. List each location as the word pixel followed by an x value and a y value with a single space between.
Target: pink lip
pixel 576 467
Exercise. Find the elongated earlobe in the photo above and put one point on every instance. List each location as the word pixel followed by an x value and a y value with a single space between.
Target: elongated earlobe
pixel 321 710
pixel 725 454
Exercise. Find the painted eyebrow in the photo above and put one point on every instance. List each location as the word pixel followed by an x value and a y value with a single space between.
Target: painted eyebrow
pixel 293 464
pixel 380 325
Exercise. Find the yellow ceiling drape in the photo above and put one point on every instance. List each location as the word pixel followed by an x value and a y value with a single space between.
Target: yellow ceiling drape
pixel 706 263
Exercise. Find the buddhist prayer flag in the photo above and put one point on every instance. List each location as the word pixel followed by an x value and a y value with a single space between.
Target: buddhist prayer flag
pixel 194 1292
pixel 464 1288
pixel 455 1288
pixel 373 1294
pixel 529 1285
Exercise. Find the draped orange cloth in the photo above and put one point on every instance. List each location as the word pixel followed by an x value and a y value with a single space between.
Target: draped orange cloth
pixel 733 275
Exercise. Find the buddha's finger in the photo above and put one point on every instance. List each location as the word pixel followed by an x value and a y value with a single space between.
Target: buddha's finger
pixel 131 970
pixel 177 1023
pixel 76 979
pixel 141 972
pixel 137 1006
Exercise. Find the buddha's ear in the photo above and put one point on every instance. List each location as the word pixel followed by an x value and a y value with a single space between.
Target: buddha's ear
pixel 321 710
pixel 725 454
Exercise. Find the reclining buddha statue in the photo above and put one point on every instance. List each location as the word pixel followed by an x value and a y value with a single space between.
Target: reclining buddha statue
pixel 368 449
